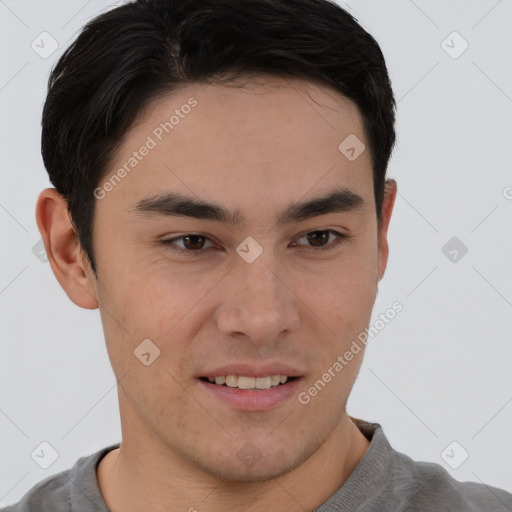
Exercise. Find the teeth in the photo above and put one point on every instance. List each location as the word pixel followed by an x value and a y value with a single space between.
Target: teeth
pixel 231 381
pixel 263 382
pixel 243 382
pixel 246 382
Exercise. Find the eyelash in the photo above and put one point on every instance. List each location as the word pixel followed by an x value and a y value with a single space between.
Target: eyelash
pixel 170 242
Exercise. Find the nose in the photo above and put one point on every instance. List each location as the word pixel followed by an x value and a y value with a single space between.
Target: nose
pixel 257 300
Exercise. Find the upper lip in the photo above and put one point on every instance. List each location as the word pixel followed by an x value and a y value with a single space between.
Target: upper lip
pixel 252 370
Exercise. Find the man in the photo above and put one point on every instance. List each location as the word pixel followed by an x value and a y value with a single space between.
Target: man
pixel 221 197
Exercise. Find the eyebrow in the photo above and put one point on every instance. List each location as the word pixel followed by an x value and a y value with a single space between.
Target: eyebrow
pixel 176 204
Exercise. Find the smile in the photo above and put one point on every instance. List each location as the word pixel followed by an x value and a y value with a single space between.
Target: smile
pixel 244 382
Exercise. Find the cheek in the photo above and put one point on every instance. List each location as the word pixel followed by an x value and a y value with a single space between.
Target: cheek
pixel 342 294
pixel 163 305
pixel 145 294
pixel 167 299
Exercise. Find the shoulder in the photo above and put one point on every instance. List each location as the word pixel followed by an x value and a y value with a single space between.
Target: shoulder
pixel 52 493
pixel 74 489
pixel 428 487
pixel 386 479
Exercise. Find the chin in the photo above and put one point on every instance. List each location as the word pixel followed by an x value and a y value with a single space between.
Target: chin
pixel 244 463
pixel 235 472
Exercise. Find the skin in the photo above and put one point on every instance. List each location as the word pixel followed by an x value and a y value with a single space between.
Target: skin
pixel 255 149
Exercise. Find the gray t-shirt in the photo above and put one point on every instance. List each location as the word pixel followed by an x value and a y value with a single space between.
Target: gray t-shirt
pixel 383 481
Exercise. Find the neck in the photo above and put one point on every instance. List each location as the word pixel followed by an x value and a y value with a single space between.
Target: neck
pixel 135 477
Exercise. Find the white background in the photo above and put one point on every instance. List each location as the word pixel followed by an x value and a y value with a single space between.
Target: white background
pixel 439 372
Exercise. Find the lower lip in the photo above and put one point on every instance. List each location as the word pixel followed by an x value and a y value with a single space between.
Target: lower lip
pixel 253 399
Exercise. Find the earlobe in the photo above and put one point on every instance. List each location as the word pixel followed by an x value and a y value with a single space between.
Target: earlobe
pixel 390 191
pixel 63 249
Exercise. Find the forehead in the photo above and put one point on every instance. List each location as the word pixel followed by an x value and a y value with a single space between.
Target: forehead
pixel 249 142
pixel 289 112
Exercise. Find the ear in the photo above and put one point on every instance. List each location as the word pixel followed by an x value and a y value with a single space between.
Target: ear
pixel 390 190
pixel 67 259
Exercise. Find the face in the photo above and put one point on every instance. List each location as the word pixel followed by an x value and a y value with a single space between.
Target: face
pixel 270 294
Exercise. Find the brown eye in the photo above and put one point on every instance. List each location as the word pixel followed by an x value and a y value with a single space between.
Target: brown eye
pixel 319 239
pixel 191 243
pixel 194 245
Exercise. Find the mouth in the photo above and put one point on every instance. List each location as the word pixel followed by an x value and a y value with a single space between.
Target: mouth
pixel 249 383
pixel 251 393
